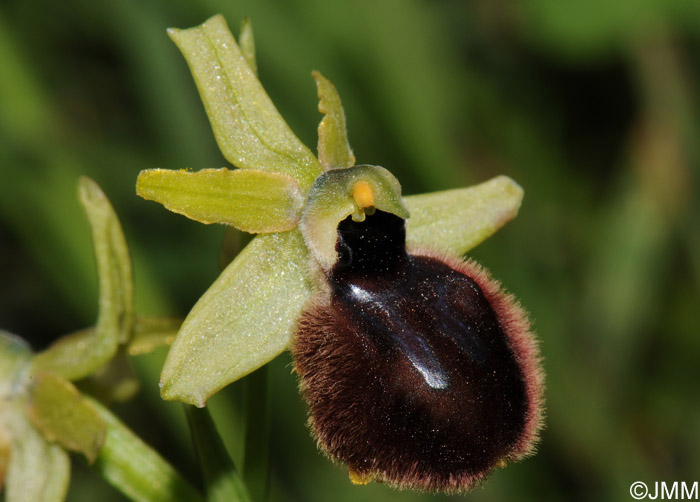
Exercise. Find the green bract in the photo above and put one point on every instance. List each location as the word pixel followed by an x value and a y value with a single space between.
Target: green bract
pixel 249 315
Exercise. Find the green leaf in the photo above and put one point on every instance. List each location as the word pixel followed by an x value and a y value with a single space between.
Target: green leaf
pixel 248 128
pixel 333 146
pixel 37 470
pixel 135 469
pixel 250 200
pixel 332 199
pixel 247 43
pixel 221 478
pixel 58 410
pixel 458 220
pixel 81 354
pixel 243 321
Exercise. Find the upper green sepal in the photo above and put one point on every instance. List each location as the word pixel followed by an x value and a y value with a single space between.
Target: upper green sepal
pixel 248 128
pixel 251 200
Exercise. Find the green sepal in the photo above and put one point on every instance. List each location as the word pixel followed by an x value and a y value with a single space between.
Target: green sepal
pixel 248 128
pixel 37 471
pixel 243 321
pixel 333 146
pixel 58 410
pixel 77 356
pixel 251 200
pixel 331 201
pixel 458 220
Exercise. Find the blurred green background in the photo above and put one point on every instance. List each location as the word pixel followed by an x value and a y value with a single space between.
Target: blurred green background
pixel 591 105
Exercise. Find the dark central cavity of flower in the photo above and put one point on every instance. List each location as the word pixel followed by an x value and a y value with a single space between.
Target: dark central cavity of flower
pixel 410 375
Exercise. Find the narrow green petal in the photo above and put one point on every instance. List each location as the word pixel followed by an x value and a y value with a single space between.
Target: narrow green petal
pixel 222 480
pixel 249 129
pixel 331 200
pixel 245 319
pixel 333 146
pixel 458 220
pixel 247 43
pixel 38 470
pixel 135 469
pixel 79 355
pixel 116 308
pixel 58 410
pixel 153 332
pixel 250 200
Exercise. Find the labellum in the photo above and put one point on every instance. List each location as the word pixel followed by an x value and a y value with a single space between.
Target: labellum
pixel 418 370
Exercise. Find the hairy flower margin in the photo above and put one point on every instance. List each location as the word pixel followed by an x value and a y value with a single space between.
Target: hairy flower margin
pixel 295 202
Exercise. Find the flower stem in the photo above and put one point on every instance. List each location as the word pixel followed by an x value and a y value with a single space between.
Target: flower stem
pixel 256 404
pixel 135 469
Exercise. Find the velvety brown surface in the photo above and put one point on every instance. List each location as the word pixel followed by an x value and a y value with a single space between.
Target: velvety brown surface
pixel 413 373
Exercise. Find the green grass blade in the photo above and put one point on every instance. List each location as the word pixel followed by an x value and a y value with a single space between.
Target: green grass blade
pixel 222 480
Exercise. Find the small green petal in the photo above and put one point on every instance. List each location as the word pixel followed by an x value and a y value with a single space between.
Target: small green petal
pixel 247 42
pixel 333 146
pixel 79 355
pixel 245 319
pixel 248 128
pixel 458 220
pixel 37 470
pixel 250 200
pixel 58 410
pixel 331 201
pixel 153 332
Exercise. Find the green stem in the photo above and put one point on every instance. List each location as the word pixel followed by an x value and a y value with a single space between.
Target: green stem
pixel 223 482
pixel 256 404
pixel 135 469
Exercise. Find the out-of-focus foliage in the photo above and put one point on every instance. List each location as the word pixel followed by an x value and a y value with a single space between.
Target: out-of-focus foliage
pixel 591 106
